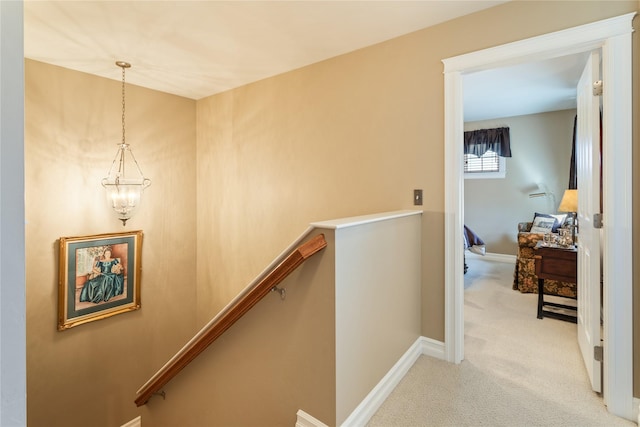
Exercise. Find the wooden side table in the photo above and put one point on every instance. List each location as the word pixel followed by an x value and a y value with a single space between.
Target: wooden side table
pixel 555 263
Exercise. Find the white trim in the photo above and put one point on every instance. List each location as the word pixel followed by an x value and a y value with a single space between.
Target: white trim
pixel 560 43
pixel 136 422
pixel 376 397
pixel 613 36
pixel 453 218
pixel 355 221
pixel 431 347
pixel 306 420
pixel 617 234
pixel 492 256
pixel 636 410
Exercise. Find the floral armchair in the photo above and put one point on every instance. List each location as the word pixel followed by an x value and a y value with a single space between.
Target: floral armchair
pixel 524 277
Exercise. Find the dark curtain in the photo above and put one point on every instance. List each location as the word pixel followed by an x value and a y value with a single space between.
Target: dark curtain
pixel 478 142
pixel 573 173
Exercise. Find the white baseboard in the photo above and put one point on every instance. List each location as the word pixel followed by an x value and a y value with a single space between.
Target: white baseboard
pixel 136 422
pixel 431 347
pixel 363 412
pixel 636 410
pixel 306 420
pixel 490 256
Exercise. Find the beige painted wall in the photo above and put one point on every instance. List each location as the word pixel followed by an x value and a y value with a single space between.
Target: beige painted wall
pixel 541 155
pixel 322 349
pixel 314 144
pixel 351 135
pixel 278 358
pixel 347 136
pixel 88 375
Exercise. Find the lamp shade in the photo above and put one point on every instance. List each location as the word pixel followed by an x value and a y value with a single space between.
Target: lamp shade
pixel 569 202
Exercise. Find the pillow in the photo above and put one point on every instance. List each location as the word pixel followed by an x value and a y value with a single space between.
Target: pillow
pixel 543 224
pixel 560 219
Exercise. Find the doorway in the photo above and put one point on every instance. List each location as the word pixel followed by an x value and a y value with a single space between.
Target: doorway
pixel 613 36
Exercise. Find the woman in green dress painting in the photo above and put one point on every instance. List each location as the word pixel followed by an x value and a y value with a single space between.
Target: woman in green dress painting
pixel 107 280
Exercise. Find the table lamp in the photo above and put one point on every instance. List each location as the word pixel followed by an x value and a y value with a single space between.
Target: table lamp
pixel 569 203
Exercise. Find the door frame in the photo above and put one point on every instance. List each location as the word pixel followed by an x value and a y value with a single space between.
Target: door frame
pixel 613 37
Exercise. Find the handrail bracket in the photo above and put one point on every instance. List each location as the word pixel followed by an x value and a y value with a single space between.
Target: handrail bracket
pixel 281 291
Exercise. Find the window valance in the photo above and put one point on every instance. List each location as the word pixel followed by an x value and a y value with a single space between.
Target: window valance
pixel 478 142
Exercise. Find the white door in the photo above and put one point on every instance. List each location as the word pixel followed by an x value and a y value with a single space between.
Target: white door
pixel 589 267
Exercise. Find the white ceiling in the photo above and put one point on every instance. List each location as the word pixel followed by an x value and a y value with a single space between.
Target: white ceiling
pixel 199 48
pixel 529 88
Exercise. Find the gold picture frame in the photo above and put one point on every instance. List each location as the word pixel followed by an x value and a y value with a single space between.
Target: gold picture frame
pixel 99 277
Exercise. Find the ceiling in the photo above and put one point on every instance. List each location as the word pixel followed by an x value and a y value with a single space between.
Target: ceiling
pixel 196 49
pixel 530 88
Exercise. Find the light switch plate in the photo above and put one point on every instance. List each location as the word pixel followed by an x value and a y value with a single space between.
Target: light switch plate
pixel 417 197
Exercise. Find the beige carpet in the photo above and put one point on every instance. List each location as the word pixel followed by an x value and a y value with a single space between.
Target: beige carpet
pixel 518 370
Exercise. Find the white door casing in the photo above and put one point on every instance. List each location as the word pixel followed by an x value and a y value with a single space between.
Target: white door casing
pixel 588 169
pixel 613 36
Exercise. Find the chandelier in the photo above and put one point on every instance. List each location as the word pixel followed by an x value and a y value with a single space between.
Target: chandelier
pixel 125 182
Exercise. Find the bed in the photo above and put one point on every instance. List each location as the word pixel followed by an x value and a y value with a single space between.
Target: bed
pixel 472 243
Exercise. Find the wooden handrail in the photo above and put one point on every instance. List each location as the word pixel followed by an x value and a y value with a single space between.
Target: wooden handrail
pixel 228 317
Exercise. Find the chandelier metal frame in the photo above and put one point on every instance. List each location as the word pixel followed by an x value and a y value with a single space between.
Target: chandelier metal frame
pixel 124 189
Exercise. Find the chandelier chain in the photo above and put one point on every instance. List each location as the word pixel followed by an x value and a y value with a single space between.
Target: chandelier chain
pixel 123 139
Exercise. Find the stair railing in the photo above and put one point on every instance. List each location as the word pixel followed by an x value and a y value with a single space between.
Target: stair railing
pixel 265 282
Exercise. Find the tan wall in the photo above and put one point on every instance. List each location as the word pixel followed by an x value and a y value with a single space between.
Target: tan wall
pixel 351 135
pixel 541 155
pixel 88 375
pixel 314 144
pixel 322 349
pixel 278 358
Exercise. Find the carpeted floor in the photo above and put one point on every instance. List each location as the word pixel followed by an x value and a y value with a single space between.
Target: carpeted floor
pixel 518 370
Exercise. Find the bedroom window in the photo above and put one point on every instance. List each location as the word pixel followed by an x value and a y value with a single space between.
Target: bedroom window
pixel 485 151
pixel 489 165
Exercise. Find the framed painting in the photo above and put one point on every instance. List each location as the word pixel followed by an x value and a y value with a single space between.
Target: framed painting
pixel 99 277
